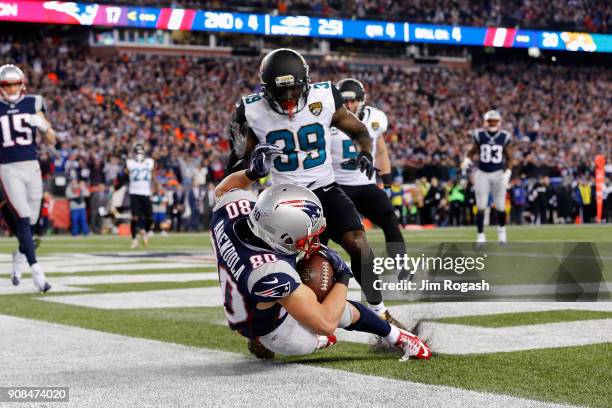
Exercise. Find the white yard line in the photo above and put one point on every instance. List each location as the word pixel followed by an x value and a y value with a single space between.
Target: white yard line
pixel 110 370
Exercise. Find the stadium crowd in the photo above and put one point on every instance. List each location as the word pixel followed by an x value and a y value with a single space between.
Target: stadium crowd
pixel 584 15
pixel 181 106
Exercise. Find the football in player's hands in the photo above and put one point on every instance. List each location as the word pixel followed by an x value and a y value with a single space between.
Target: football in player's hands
pixel 317 273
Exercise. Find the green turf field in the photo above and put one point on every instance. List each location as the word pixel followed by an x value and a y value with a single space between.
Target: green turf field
pixel 578 375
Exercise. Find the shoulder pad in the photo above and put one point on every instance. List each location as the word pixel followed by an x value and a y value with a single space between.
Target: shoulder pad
pixel 273 281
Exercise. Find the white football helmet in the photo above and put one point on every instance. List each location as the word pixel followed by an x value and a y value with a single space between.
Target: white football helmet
pixel 289 218
pixel 490 118
pixel 11 74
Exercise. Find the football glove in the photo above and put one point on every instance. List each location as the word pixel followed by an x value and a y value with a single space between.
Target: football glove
pixel 507 176
pixel 261 160
pixel 363 162
pixel 342 272
pixel 38 122
pixel 466 163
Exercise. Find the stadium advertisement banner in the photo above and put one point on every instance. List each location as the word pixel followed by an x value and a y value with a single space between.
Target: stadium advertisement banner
pixel 93 14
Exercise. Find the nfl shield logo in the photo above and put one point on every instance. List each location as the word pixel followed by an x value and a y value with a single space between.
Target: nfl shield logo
pixel 315 108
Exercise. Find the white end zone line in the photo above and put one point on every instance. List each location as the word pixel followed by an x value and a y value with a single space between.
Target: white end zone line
pixel 122 371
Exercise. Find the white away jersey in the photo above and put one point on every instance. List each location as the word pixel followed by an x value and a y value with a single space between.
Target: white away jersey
pixel 343 148
pixel 305 139
pixel 140 176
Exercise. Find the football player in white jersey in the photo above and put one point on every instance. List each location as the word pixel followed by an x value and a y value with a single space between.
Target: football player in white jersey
pixel 492 144
pixel 372 202
pixel 21 118
pixel 298 116
pixel 140 170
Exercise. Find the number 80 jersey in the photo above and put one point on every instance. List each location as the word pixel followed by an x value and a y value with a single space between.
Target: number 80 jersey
pixel 305 138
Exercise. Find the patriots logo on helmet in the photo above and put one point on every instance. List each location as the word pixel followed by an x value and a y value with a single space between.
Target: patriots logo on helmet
pixel 310 208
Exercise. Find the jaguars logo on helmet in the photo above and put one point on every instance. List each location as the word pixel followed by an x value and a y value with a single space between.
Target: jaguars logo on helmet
pixel 284 80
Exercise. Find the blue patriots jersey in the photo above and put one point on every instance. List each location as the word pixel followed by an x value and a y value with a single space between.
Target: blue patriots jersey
pixel 17 141
pixel 491 149
pixel 250 272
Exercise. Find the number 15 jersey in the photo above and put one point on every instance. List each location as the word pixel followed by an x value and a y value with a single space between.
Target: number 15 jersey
pixel 305 138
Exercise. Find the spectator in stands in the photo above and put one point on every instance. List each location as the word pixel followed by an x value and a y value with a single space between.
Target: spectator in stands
pixel 76 193
pixel 178 207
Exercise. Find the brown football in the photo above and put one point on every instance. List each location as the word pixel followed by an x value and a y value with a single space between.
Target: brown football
pixel 317 273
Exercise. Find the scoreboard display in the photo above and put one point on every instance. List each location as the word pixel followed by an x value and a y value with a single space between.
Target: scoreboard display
pixel 92 14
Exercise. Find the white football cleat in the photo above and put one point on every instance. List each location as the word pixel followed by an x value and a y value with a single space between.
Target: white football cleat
pixel 412 346
pixel 481 239
pixel 501 235
pixel 17 269
pixel 135 243
pixel 38 276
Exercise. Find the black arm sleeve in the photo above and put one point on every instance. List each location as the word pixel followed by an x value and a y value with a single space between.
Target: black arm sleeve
pixel 338 99
pixel 237 138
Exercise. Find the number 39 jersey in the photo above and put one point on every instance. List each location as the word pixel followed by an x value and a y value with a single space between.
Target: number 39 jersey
pixel 250 273
pixel 140 176
pixel 343 148
pixel 491 149
pixel 17 141
pixel 305 138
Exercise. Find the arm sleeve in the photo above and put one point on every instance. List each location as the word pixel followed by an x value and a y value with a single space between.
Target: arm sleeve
pixel 475 136
pixel 507 139
pixel 384 123
pixel 39 104
pixel 238 130
pixel 273 281
pixel 338 99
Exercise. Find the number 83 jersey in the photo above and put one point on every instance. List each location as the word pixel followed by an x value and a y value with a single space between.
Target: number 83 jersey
pixel 305 138
pixel 491 149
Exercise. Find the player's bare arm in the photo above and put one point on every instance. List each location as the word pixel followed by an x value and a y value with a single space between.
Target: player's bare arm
pixel 509 156
pixel 237 180
pixel 321 318
pixel 382 161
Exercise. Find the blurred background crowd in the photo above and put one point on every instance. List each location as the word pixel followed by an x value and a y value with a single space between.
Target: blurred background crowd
pixel 181 106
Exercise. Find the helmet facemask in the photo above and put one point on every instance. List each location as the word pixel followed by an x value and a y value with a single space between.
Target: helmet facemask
pixel 286 95
pixel 310 244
